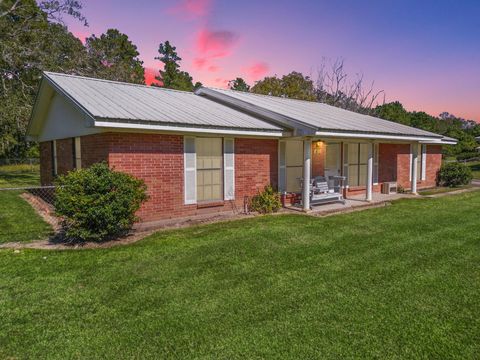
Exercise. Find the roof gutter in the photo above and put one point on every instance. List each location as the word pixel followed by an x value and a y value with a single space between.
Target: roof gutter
pixel 189 129
pixel 375 136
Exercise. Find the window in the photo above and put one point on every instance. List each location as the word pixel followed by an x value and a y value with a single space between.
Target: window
pixel 355 163
pixel 77 153
pixel 54 158
pixel 209 169
pixel 294 165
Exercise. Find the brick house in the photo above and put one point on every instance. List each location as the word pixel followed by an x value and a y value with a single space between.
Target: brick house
pixel 208 151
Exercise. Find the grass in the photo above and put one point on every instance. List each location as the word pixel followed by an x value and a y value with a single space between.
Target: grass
pixel 19 175
pixel 395 282
pixel 475 166
pixel 443 189
pixel 18 220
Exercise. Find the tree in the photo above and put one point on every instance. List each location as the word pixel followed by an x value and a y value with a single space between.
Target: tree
pixel 334 87
pixel 26 31
pixel 171 77
pixel 238 84
pixel 114 57
pixel 393 111
pixel 294 85
pixel 270 85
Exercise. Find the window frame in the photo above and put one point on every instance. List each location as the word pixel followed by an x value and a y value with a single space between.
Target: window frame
pixel 199 170
pixel 346 163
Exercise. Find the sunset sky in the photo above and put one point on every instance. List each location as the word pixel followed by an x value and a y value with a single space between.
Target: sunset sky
pixel 424 53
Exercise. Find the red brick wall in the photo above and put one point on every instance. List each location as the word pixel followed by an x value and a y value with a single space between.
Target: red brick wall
pixel 387 162
pixel 256 165
pixel 65 161
pixel 95 148
pixel 46 171
pixel 158 160
pixel 434 162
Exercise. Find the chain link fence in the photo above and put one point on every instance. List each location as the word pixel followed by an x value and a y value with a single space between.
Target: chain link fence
pixel 26 209
pixel 27 214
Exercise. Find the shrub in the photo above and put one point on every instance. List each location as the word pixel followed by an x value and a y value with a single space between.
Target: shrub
pixel 454 174
pixel 98 203
pixel 267 201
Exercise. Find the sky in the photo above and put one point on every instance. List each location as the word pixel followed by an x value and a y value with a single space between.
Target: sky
pixel 423 53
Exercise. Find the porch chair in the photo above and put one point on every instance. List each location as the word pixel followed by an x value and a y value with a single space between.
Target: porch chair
pixel 321 193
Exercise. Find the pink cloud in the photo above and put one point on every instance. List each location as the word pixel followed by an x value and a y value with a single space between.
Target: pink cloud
pixel 199 63
pixel 217 43
pixel 221 82
pixel 213 68
pixel 191 9
pixel 257 70
pixel 150 74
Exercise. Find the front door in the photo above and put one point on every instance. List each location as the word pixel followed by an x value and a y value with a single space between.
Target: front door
pixel 332 162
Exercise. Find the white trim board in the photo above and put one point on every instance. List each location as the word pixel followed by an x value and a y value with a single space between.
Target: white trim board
pixel 117 125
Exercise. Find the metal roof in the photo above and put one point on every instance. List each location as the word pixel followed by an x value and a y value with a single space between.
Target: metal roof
pixel 124 102
pixel 321 116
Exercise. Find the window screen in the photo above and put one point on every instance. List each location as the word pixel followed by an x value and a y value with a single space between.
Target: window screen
pixel 209 169
pixel 294 165
pixel 357 164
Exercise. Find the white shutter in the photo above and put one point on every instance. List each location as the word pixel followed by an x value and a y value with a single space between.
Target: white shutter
pixel 411 162
pixel 281 166
pixel 424 162
pixel 375 162
pixel 190 166
pixel 345 164
pixel 229 168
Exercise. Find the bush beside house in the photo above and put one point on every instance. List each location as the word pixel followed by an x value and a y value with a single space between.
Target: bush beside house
pixel 454 174
pixel 98 203
pixel 266 202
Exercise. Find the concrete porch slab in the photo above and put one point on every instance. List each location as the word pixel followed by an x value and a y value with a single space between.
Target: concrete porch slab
pixel 353 203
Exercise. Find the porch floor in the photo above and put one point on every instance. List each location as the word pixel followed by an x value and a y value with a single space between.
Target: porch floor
pixel 354 202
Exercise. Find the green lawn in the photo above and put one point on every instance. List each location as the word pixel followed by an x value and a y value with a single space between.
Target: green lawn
pixel 441 190
pixel 475 166
pixel 18 220
pixel 19 175
pixel 395 282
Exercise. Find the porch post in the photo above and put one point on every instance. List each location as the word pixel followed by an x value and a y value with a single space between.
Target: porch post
pixel 413 166
pixel 307 148
pixel 370 172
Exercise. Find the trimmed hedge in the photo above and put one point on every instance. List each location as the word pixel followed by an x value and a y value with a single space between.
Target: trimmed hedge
pixel 454 174
pixel 98 203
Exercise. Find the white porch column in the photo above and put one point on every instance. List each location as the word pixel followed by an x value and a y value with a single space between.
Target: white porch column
pixel 370 173
pixel 413 166
pixel 307 149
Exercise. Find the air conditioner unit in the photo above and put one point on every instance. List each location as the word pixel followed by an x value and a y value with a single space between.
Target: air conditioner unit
pixel 389 187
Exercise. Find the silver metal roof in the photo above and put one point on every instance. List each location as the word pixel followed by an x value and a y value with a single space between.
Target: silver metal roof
pixel 322 116
pixel 118 101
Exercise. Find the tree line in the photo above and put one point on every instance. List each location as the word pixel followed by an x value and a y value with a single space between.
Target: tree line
pixel 34 38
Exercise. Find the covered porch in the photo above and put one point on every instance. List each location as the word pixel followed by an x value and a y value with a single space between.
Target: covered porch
pixel 323 173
